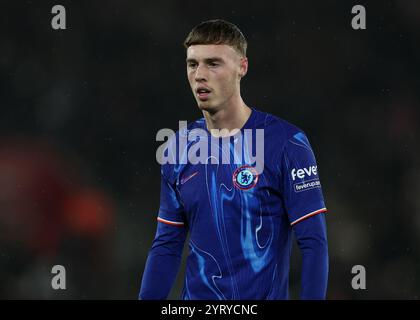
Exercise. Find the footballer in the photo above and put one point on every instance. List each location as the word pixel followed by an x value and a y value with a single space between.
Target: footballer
pixel 240 219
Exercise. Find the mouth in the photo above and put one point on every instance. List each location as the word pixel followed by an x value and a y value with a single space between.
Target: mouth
pixel 203 93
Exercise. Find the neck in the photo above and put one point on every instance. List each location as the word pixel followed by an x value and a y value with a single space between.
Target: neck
pixel 231 117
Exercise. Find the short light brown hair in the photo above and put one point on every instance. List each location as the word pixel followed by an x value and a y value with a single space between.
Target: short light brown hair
pixel 217 32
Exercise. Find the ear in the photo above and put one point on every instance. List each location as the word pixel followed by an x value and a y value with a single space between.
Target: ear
pixel 243 66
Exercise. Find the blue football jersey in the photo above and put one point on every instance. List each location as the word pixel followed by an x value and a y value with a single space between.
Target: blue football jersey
pixel 240 219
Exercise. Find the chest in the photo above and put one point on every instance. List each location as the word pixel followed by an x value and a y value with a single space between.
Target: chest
pixel 227 189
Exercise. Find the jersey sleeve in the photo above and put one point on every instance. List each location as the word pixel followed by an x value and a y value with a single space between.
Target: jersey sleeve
pixel 171 210
pixel 301 186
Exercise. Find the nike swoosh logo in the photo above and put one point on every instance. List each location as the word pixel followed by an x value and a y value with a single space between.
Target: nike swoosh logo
pixel 183 180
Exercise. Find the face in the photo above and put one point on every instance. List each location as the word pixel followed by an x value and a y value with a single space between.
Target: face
pixel 214 73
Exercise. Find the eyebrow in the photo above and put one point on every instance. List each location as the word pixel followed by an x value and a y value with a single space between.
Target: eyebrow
pixel 207 60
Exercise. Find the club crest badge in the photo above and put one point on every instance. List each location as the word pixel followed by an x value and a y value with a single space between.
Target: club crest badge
pixel 245 177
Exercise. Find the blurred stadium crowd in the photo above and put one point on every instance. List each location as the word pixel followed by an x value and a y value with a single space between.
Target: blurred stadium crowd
pixel 80 108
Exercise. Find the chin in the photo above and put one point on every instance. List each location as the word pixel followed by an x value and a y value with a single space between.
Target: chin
pixel 206 106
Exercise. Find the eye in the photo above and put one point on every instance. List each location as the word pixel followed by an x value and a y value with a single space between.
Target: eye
pixel 192 65
pixel 213 64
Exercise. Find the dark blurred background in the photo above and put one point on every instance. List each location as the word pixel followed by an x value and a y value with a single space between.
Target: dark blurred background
pixel 80 109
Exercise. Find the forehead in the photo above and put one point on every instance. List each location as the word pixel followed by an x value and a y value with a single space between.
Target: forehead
pixel 204 51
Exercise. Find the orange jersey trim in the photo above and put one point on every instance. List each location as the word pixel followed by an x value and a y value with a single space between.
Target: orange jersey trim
pixel 172 223
pixel 313 213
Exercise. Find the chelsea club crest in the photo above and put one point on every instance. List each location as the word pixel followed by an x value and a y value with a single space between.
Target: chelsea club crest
pixel 245 177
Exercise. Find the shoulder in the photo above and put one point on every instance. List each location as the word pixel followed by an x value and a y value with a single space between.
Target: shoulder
pixel 278 129
pixel 172 159
pixel 186 128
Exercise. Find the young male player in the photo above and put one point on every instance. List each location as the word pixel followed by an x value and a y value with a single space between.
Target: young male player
pixel 240 218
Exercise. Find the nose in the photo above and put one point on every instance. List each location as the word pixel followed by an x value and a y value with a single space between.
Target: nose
pixel 200 74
